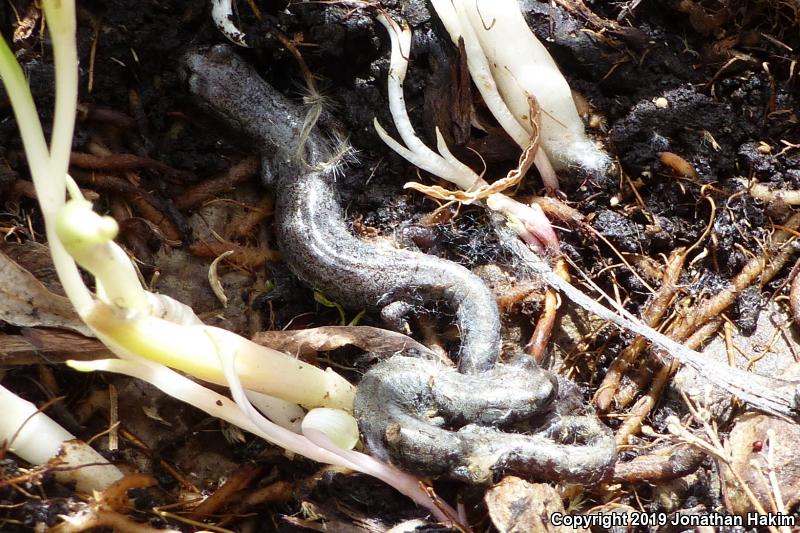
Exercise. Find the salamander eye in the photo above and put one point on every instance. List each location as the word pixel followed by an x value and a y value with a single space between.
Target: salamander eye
pixel 758 445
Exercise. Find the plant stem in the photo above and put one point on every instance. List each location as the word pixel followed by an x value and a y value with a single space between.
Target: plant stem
pixel 49 185
pixel 61 22
pixel 189 349
pixel 37 438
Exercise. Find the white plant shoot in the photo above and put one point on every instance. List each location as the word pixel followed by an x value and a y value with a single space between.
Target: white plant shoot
pixel 520 70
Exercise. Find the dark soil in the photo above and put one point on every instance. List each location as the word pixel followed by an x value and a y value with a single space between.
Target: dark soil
pixel 730 83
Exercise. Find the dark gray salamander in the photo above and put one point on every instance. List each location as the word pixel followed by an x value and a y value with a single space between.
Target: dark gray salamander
pixel 428 419
pixel 405 408
pixel 310 225
pixel 434 421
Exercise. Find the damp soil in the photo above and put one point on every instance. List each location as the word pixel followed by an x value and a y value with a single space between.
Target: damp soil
pixel 712 81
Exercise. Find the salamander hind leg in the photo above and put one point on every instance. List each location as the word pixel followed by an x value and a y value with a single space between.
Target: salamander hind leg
pixel 395 314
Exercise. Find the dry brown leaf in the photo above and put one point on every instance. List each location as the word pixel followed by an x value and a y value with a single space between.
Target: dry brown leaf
pixel 748 444
pixel 35 258
pixel 517 506
pixel 25 301
pixel 307 342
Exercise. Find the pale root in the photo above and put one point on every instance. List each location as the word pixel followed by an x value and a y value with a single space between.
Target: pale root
pixel 521 67
pixel 38 439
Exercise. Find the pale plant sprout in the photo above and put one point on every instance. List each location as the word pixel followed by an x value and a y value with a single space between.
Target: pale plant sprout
pixel 149 332
pixel 222 15
pixel 528 220
pixel 39 440
pixel 32 435
pixel 286 414
pixel 765 194
pixel 482 74
pixel 525 92
pixel 48 173
pixel 518 72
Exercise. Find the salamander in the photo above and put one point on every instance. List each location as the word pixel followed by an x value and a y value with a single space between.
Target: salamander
pixel 463 424
pixel 310 225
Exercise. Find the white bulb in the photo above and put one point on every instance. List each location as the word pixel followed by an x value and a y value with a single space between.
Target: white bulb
pixel 338 425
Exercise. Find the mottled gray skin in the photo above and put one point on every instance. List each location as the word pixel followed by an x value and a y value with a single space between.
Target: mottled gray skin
pixel 405 409
pixel 428 419
pixel 310 224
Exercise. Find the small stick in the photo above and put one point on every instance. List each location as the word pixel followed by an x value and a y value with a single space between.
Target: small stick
pixel 144 205
pixel 239 480
pixel 95 113
pixel 139 116
pixel 278 492
pixel 794 296
pixel 730 349
pixel 121 162
pixel 767 195
pixel 256 214
pixel 113 416
pixel 51 346
pixel 26 189
pixel 642 408
pixel 238 173
pixel 678 165
pixel 636 383
pixel 528 291
pixel 553 207
pixel 96 517
pixel 245 257
pixel 705 332
pixel 98 25
pixel 652 315
pixel 544 326
pixel 287 43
